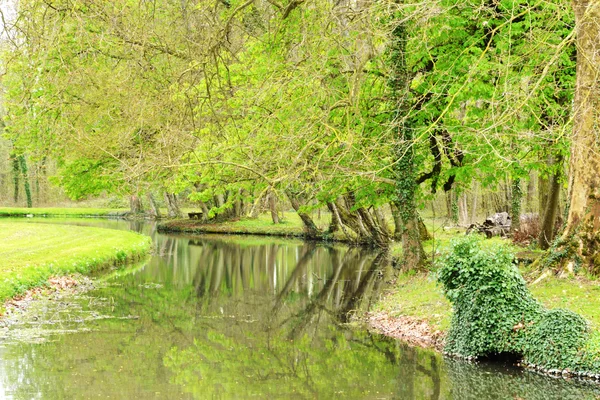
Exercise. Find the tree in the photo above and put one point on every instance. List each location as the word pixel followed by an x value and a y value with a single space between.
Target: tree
pixel 582 231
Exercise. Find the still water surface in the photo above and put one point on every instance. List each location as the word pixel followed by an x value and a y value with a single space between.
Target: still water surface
pixel 224 317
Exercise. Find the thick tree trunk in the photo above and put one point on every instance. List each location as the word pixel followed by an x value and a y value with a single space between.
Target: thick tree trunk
pixel 398 221
pixel 549 215
pixel 205 211
pixel 334 225
pixel 583 221
pixel 135 205
pixel 309 226
pixel 423 230
pixel 404 148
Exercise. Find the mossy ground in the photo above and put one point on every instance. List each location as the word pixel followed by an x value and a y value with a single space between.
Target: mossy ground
pixel 31 253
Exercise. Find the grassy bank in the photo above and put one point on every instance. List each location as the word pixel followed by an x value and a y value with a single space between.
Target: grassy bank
pixel 417 295
pixel 31 253
pixel 290 226
pixel 60 212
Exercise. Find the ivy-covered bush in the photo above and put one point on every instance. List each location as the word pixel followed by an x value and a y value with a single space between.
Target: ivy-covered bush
pixel 494 312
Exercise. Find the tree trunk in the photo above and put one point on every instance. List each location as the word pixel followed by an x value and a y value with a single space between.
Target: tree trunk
pixel 205 211
pixel 474 204
pixel 449 204
pixel 530 192
pixel 583 221
pixel 154 210
pixel 16 176
pixel 549 216
pixel 309 226
pixel 423 230
pixel 173 210
pixel 515 209
pixel 463 211
pixel 398 220
pixel 272 199
pixel 135 205
pixel 543 189
pixel 334 225
pixel 404 165
pixel 27 187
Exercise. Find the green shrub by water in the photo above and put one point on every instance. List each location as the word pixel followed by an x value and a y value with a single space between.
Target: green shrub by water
pixel 494 313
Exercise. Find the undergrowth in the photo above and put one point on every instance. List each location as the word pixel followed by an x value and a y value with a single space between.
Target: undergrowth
pixel 495 313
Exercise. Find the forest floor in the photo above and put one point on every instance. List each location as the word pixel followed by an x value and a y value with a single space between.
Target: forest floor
pixel 31 253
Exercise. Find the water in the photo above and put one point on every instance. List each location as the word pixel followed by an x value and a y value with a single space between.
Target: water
pixel 225 317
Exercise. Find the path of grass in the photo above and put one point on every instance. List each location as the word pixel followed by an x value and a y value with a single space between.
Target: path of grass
pixel 60 212
pixel 31 253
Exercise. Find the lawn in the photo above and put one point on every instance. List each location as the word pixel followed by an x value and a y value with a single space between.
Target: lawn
pixel 31 253
pixel 60 212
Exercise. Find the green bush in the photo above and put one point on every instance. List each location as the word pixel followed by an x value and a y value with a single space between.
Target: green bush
pixel 494 312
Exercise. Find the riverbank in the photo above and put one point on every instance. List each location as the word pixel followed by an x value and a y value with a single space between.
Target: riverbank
pixel 290 226
pixel 32 253
pixel 414 309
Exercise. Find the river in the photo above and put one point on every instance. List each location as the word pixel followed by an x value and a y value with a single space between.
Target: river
pixel 231 317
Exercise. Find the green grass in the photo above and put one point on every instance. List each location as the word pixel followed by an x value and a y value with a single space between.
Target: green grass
pixel 578 294
pixel 417 295
pixel 59 212
pixel 291 225
pixel 31 253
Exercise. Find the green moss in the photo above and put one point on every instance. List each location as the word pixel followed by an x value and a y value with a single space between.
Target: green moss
pixel 31 253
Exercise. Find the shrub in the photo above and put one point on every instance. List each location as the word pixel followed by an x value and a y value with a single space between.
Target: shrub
pixel 494 312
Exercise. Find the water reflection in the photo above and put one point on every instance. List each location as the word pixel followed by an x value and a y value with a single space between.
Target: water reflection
pixel 230 317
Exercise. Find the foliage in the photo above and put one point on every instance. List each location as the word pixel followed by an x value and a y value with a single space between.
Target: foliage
pixel 494 312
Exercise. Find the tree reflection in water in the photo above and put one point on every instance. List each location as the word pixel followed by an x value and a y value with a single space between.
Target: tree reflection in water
pixel 227 317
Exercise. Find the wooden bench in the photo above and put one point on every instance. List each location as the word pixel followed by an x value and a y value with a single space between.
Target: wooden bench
pixel 195 215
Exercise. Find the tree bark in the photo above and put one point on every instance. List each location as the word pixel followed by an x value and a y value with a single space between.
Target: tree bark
pixel 463 211
pixel 154 211
pixel 334 225
pixel 583 221
pixel 173 210
pixel 272 199
pixel 27 187
pixel 404 165
pixel 515 207
pixel 16 176
pixel 549 216
pixel 135 205
pixel 309 226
